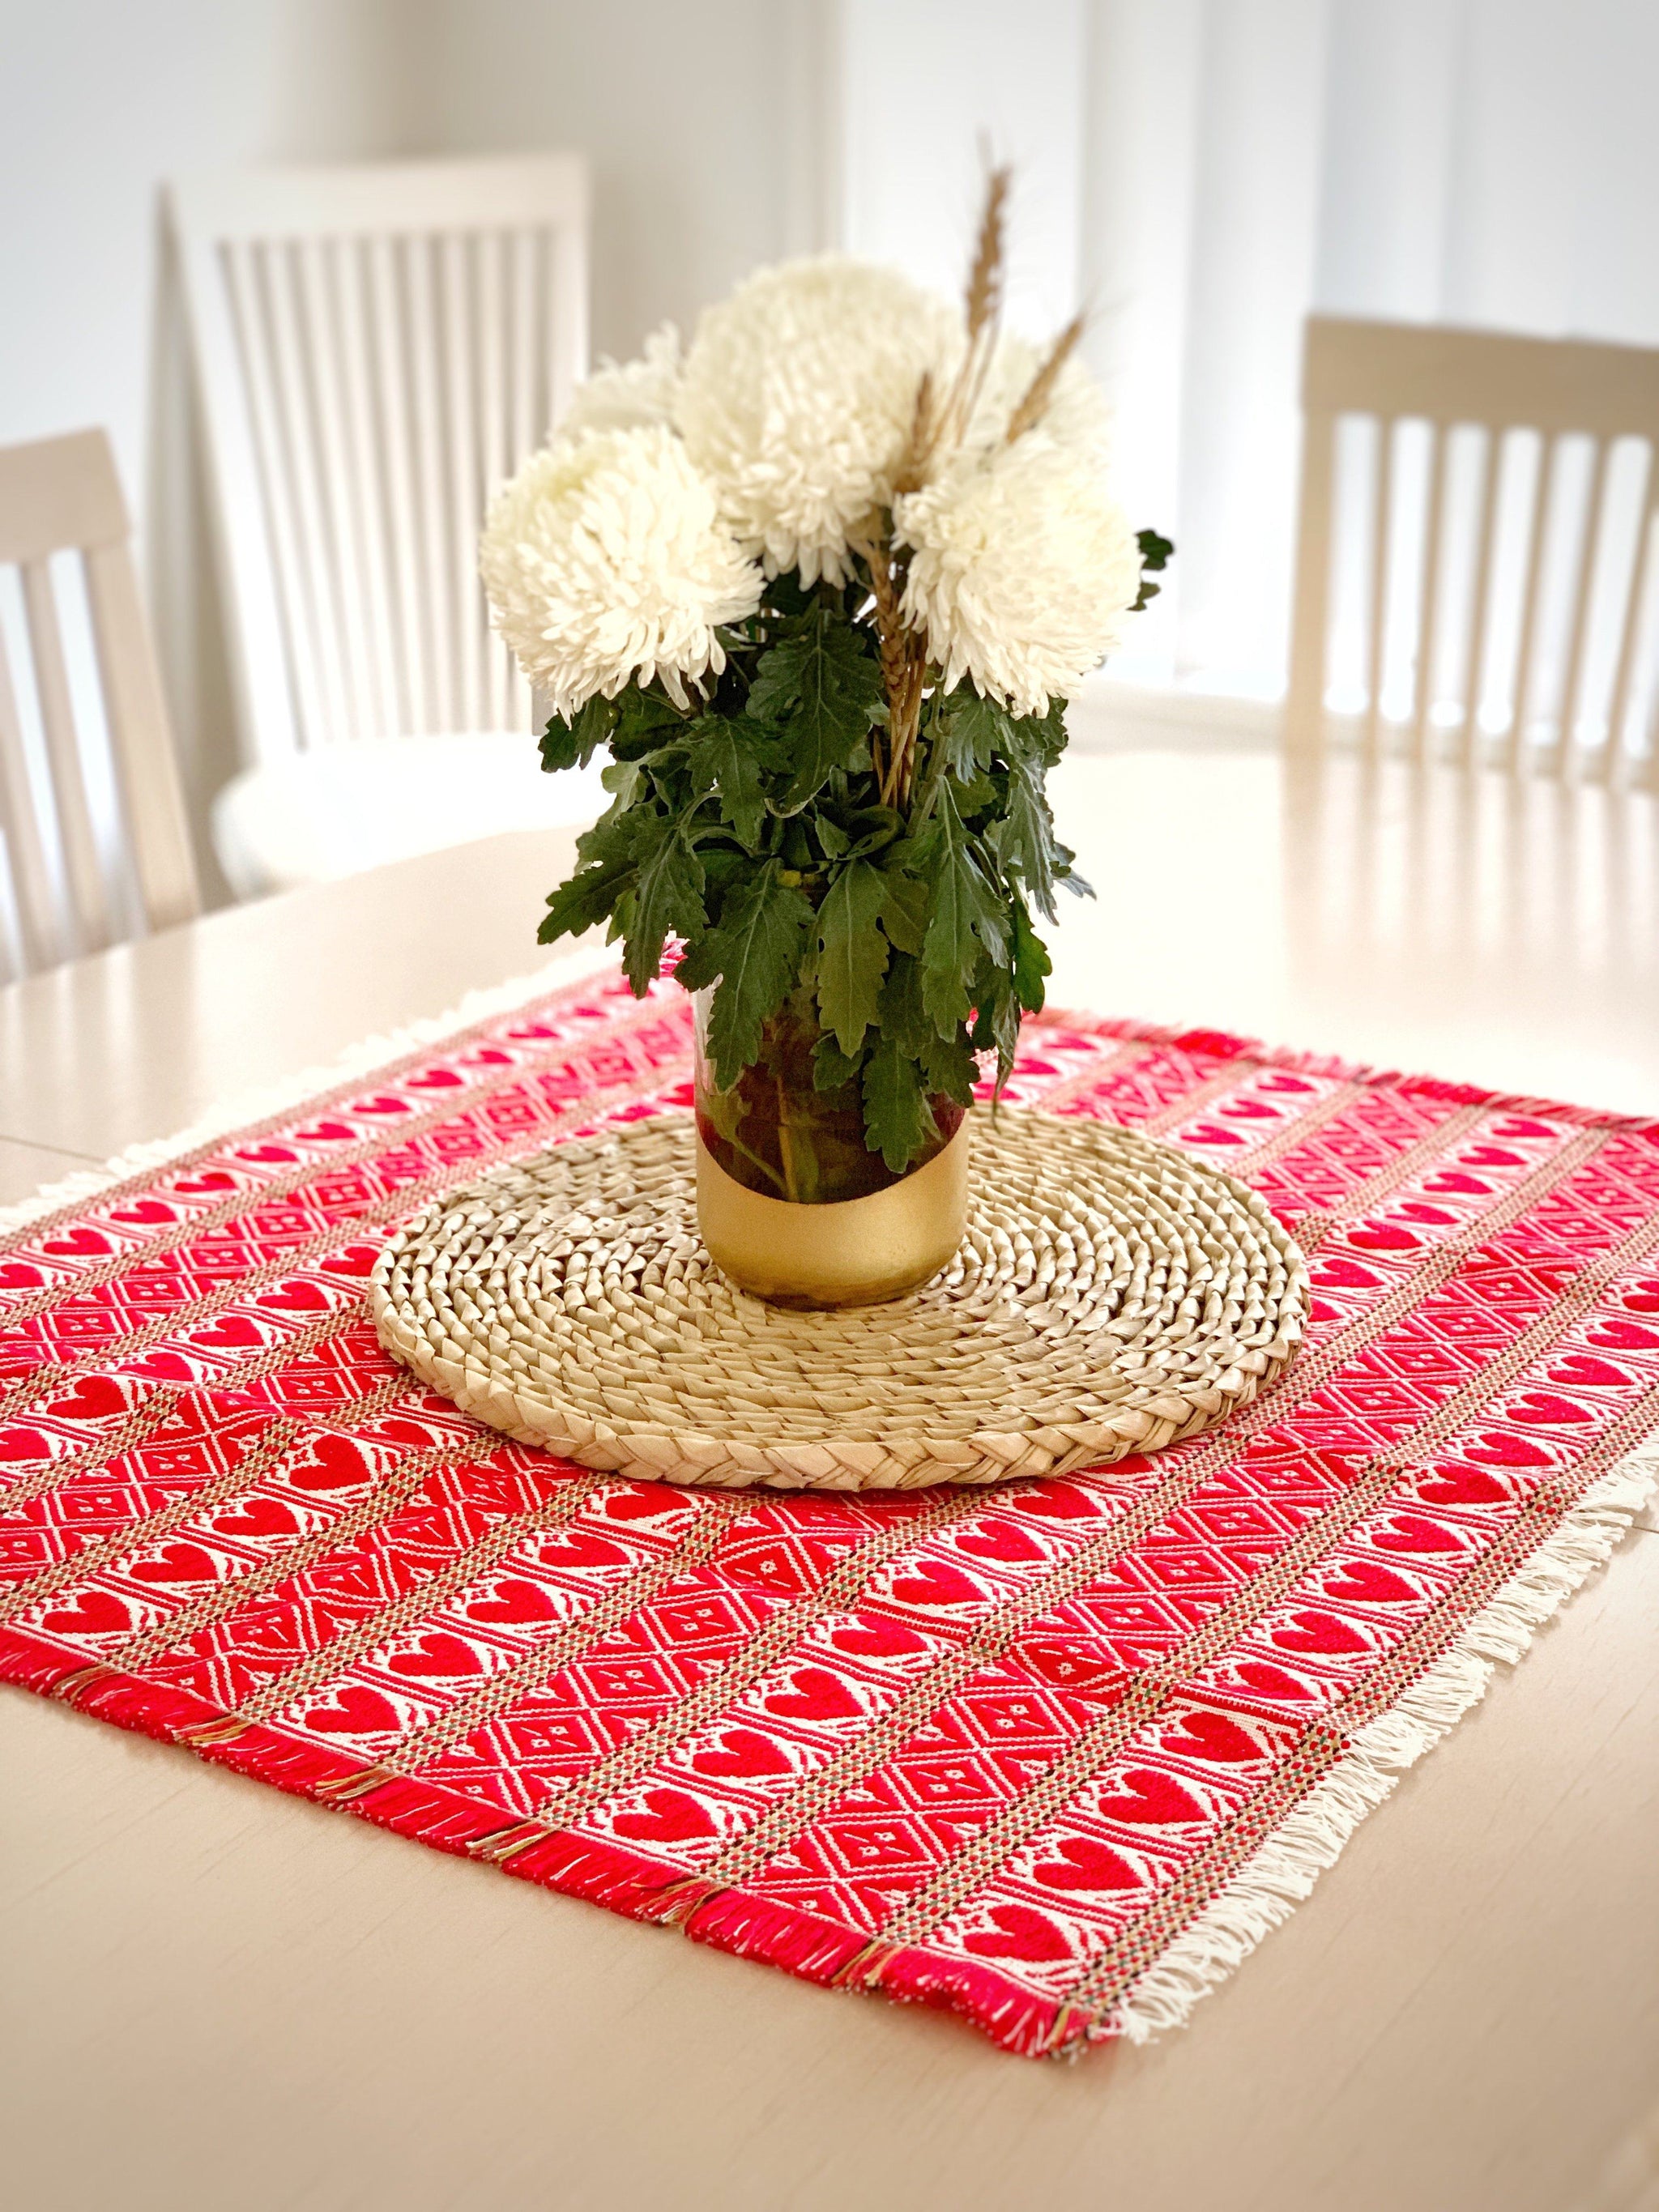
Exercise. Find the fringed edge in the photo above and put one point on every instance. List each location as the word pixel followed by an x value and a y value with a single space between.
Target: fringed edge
pixel 1269 1886
pixel 1266 1890
pixel 366 1057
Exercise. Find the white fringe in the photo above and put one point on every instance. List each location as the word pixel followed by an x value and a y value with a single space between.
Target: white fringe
pixel 364 1058
pixel 1268 1889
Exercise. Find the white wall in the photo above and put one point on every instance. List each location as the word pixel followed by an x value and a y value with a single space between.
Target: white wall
pixel 100 100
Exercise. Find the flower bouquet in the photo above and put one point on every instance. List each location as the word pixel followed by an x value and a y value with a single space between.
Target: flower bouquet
pixel 821 586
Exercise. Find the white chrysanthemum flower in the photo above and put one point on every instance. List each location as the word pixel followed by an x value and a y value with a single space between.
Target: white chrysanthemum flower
pixel 1078 414
pixel 1021 570
pixel 629 395
pixel 605 560
pixel 797 401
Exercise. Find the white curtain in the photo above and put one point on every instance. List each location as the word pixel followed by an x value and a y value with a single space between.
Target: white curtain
pixel 1202 173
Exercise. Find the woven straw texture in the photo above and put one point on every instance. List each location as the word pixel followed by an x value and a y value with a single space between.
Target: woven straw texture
pixel 1112 1294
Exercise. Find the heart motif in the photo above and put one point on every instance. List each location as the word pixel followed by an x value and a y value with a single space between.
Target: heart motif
pixel 1384 1236
pixel 668 1816
pixel 438 1655
pixel 1488 1156
pixel 580 1547
pixel 1272 1684
pixel 336 1464
pixel 355 1260
pixel 1461 1485
pixel 510 1604
pixel 436 1079
pixel 1365 1582
pixel 1343 1275
pixel 23 1444
pixel 1546 1411
pixel 327 1132
pixel 1083 1863
pixel 1623 1336
pixel 274 1156
pixel 1207 1132
pixel 1502 1450
pixel 1410 1532
pixel 1580 1372
pixel 1451 1181
pixel 356 1711
pixel 739 1754
pixel 933 1586
pixel 18 1275
pixel 1001 1539
pixel 1148 1798
pixel 147 1213
pixel 1319 1631
pixel 79 1245
pixel 875 1638
pixel 1019 1933
pixel 813 1695
pixel 1214 1738
pixel 640 1501
pixel 93 1614
pixel 1059 1501
pixel 179 1563
pixel 94 1398
pixel 296 1298
pixel 231 1333
pixel 256 1516
pixel 201 1185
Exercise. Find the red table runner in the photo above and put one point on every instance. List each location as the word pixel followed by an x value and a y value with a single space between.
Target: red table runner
pixel 1055 1754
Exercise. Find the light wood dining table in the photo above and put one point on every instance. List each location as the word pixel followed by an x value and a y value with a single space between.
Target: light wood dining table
pixel 215 1996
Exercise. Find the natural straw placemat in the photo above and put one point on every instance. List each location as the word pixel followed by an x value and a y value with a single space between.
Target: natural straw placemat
pixel 1112 1294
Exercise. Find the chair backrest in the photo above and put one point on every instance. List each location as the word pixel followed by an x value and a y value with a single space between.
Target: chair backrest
pixel 1495 525
pixel 74 864
pixel 376 349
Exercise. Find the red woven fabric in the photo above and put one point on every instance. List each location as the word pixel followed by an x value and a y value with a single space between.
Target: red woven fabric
pixel 1000 1751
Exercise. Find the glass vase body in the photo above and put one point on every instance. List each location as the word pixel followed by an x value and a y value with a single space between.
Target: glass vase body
pixel 792 1203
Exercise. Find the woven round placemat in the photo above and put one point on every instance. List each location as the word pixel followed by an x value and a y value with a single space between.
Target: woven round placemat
pixel 1111 1295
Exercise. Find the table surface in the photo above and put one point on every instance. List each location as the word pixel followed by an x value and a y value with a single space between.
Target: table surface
pixel 213 1996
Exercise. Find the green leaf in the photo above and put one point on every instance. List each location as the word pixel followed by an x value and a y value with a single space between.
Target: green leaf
pixel 756 951
pixel 583 901
pixel 727 762
pixel 1155 552
pixel 970 731
pixel 852 953
pixel 897 1119
pixel 644 723
pixel 1024 837
pixel 819 691
pixel 573 744
pixel 1031 964
pixel 905 910
pixel 831 1068
pixel 900 1011
pixel 966 915
pixel 667 902
pixel 948 1066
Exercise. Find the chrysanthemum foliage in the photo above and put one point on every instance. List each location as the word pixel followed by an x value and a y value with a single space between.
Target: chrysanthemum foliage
pixel 829 672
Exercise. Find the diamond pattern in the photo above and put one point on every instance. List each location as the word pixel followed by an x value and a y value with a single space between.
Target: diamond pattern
pixel 996 1751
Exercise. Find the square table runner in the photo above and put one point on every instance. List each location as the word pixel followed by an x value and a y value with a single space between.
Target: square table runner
pixel 1055 1754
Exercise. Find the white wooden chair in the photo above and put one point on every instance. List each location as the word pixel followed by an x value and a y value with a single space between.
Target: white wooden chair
pixel 375 349
pixel 92 847
pixel 1503 597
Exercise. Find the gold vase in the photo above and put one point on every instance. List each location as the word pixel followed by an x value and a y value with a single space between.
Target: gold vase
pixel 792 1205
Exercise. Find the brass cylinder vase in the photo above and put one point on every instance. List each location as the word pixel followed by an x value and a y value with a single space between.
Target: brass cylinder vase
pixel 792 1203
